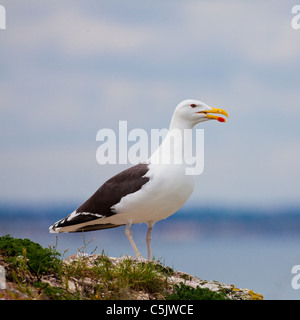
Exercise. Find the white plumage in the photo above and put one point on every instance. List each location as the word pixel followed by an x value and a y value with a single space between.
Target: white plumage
pixel 147 192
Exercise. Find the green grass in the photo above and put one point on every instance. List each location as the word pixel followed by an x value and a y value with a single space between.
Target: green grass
pixel 24 254
pixel 32 267
pixel 40 273
pixel 184 292
pixel 122 280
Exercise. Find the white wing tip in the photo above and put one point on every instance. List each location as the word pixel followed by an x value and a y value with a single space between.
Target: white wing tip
pixel 52 229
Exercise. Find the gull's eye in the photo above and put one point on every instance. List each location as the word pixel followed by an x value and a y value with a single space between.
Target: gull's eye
pixel 193 105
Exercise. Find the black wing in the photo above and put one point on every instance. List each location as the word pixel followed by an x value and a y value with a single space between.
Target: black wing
pixel 100 203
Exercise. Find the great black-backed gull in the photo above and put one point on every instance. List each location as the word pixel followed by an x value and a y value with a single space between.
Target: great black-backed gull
pixel 149 191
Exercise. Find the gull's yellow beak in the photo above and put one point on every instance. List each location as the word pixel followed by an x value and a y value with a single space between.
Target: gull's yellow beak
pixel 215 110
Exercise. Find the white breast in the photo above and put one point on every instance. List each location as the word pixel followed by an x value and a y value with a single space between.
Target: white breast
pixel 165 193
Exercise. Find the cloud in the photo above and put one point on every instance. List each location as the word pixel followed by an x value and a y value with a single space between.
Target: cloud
pixel 258 32
pixel 74 32
pixel 71 68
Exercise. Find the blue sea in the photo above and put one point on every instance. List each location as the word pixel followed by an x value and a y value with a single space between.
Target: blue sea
pixel 246 247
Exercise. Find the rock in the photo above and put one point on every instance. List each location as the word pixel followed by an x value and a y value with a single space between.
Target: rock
pixel 177 277
pixel 81 277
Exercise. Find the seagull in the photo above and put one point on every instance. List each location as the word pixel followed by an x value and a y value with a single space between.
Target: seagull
pixel 149 191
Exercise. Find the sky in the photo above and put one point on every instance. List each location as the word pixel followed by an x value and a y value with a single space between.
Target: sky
pixel 70 68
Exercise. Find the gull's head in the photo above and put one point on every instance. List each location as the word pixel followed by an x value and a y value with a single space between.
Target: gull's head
pixel 194 111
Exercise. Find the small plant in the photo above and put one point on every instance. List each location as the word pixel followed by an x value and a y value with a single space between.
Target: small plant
pixel 25 254
pixel 184 292
pixel 120 280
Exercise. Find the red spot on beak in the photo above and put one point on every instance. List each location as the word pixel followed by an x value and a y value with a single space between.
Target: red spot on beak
pixel 220 119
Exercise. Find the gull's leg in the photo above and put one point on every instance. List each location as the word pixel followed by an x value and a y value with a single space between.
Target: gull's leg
pixel 129 236
pixel 148 240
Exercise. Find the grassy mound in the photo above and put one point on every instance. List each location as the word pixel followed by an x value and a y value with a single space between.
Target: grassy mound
pixel 34 272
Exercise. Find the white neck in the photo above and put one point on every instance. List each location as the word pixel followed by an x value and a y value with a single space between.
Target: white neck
pixel 177 141
pixel 180 123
